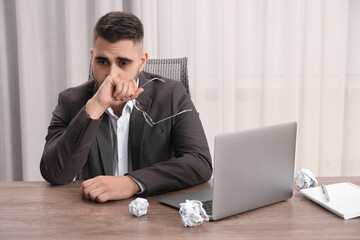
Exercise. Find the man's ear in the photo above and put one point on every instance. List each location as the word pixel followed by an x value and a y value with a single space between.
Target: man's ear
pixel 92 53
pixel 143 60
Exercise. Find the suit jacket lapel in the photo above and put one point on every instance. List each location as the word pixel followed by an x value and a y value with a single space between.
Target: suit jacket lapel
pixel 104 141
pixel 105 145
pixel 137 124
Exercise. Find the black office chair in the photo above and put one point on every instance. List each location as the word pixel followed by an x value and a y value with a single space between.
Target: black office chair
pixel 174 68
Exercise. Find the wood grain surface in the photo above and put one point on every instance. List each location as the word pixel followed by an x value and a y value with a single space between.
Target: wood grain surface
pixel 37 210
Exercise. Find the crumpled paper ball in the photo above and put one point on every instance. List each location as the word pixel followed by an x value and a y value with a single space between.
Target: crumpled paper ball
pixel 305 179
pixel 139 207
pixel 192 213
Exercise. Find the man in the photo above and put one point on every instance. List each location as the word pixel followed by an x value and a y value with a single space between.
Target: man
pixel 101 131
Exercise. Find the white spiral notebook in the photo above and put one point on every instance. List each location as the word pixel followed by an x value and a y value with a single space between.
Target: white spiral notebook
pixel 344 198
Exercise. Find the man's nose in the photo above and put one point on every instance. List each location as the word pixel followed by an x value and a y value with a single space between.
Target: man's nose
pixel 114 70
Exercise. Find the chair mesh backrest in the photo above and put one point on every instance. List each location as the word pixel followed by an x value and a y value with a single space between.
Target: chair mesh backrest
pixel 174 68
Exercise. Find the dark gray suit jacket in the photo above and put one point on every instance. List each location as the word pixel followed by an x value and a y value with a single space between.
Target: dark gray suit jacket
pixel 171 155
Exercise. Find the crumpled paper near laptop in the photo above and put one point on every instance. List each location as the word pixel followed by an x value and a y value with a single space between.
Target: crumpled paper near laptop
pixel 192 213
pixel 305 179
pixel 139 207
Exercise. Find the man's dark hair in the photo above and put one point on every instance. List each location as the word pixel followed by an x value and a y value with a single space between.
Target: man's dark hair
pixel 115 26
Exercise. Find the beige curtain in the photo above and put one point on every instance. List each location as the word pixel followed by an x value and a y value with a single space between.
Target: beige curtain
pixel 251 63
pixel 256 63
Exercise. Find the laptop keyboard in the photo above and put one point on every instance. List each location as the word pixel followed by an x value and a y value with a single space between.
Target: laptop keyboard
pixel 207 205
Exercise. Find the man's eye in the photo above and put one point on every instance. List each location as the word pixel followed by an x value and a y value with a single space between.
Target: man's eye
pixel 123 64
pixel 102 62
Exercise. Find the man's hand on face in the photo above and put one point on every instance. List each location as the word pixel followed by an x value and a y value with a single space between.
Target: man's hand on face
pixel 112 92
pixel 105 188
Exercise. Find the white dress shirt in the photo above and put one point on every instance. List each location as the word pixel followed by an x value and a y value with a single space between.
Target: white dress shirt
pixel 119 133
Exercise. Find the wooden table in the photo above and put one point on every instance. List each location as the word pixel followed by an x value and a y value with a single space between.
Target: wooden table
pixel 36 210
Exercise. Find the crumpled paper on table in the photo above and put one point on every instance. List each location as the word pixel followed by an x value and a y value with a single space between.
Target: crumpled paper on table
pixel 192 213
pixel 305 179
pixel 139 207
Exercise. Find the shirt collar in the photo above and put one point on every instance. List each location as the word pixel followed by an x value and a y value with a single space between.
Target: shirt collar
pixel 127 109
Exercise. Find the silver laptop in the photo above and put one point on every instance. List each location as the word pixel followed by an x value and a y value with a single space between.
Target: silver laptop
pixel 252 169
